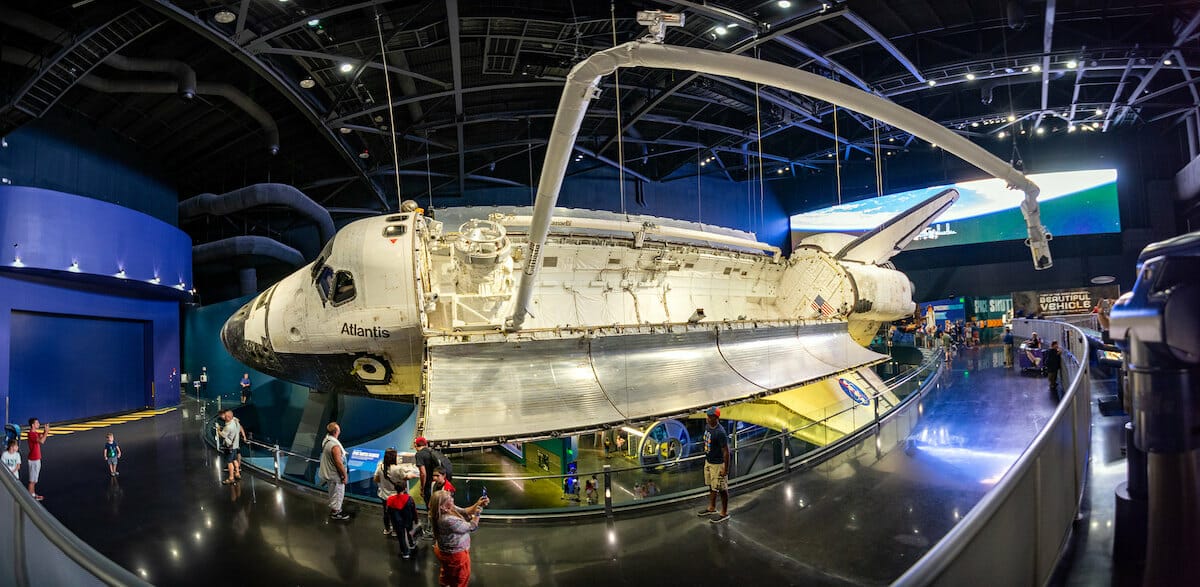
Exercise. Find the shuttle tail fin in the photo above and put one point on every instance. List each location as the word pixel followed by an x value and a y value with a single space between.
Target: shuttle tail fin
pixel 889 238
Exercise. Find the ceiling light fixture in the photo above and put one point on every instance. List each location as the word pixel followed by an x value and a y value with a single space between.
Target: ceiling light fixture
pixel 1002 134
pixel 346 68
pixel 1036 69
pixel 1024 70
pixel 974 125
pixel 1167 61
pixel 308 83
pixel 1071 128
pixel 344 130
pixel 970 77
pixel 720 31
pixel 1099 112
pixel 1012 118
pixel 224 16
pixel 932 83
pixel 314 22
pixel 365 154
pixel 785 4
pixel 1072 64
pixel 1040 131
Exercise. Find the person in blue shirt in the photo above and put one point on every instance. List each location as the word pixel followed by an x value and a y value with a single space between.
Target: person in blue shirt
pixel 112 453
pixel 716 466
pixel 245 388
pixel 1008 348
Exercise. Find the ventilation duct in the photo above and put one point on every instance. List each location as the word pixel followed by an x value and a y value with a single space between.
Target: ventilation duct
pixel 246 246
pixel 259 194
pixel 226 91
pixel 985 92
pixel 185 75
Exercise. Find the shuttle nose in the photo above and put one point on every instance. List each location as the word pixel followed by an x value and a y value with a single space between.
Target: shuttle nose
pixel 233 334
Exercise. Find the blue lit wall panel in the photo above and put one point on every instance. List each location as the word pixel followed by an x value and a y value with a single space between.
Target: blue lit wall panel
pixel 73 367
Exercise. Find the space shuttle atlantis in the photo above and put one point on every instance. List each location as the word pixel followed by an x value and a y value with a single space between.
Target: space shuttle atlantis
pixel 511 328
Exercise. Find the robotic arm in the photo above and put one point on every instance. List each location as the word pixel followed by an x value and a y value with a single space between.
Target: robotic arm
pixel 1039 239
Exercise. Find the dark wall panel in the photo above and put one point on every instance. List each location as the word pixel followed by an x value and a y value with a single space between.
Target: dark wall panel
pixel 74 367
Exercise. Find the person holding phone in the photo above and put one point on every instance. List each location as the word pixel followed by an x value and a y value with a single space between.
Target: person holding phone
pixel 452 528
pixel 36 439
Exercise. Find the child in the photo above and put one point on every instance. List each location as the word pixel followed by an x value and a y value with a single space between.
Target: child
pixel 11 458
pixel 403 513
pixel 112 452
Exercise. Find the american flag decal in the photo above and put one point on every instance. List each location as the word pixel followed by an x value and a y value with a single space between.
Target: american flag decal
pixel 819 304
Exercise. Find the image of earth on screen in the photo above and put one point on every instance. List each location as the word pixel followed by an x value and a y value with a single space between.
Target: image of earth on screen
pixel 1072 202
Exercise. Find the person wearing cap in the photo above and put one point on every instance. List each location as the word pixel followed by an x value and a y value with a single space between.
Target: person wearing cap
pixel 716 466
pixel 426 462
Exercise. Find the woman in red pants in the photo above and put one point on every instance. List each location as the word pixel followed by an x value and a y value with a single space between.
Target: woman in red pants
pixel 452 527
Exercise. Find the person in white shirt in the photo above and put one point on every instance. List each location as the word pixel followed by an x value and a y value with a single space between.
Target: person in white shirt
pixel 11 458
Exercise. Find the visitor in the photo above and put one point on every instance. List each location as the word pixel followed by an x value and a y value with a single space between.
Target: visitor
pixel 112 453
pixel 401 510
pixel 333 471
pixel 230 436
pixel 716 466
pixel 387 487
pixel 1052 363
pixel 1008 347
pixel 11 458
pixel 452 527
pixel 440 482
pixel 1034 342
pixel 35 439
pixel 245 388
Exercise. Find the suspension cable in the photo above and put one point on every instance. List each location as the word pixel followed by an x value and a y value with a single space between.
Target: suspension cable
pixel 878 161
pixel 612 11
pixel 387 83
pixel 837 155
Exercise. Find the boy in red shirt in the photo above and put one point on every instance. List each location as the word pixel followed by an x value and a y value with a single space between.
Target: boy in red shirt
pixel 36 440
pixel 402 511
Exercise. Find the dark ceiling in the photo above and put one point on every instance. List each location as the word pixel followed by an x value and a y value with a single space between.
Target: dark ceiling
pixel 474 96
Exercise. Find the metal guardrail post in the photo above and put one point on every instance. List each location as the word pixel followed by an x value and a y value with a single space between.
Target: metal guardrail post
pixel 608 510
pixel 787 450
pixel 278 469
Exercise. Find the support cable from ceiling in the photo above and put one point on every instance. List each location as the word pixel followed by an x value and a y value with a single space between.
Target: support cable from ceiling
pixel 837 156
pixel 612 11
pixel 878 161
pixel 387 84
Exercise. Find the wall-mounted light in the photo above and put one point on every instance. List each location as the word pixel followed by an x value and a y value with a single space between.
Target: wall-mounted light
pixel 120 274
pixel 74 268
pixel 157 280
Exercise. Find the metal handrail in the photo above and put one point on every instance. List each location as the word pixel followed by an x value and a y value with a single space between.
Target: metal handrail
pixel 939 558
pixel 78 551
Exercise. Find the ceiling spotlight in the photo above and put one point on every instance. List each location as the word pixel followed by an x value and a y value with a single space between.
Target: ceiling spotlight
pixel 1002 134
pixel 891 139
pixel 1022 131
pixel 378 118
pixel 970 76
pixel 344 130
pixel 314 22
pixel 1167 61
pixel 932 83
pixel 1024 70
pixel 1095 125
pixel 1071 128
pixel 346 68
pixel 720 31
pixel 974 125
pixel 934 145
pixel 1012 118
pixel 365 154
pixel 1040 131
pixel 785 4
pixel 224 16
pixel 731 26
pixel 830 155
pixel 1099 112
pixel 780 170
pixel 1072 64
pixel 1008 70
pixel 1036 69
pixel 308 83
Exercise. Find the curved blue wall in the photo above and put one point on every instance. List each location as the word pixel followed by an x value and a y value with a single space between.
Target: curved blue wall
pixel 51 230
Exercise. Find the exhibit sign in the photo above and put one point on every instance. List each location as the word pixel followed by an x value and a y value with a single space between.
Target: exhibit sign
pixel 363 459
pixel 952 309
pixel 1072 203
pixel 1058 302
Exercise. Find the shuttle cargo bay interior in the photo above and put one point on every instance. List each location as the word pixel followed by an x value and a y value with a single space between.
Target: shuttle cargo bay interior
pixel 843 292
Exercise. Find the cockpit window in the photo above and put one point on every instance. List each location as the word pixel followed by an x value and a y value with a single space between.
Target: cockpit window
pixel 343 287
pixel 394 230
pixel 325 283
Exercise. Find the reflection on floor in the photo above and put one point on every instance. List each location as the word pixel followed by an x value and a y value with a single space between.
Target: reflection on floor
pixel 860 518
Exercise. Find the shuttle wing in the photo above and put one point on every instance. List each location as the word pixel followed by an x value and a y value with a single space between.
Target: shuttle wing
pixel 891 237
pixel 484 392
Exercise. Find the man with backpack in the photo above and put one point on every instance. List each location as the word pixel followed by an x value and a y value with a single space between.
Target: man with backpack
pixel 427 460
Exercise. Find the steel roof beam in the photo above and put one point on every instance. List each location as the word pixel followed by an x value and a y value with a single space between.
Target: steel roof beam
pixel 1047 43
pixel 1180 39
pixel 825 62
pixel 345 59
pixel 718 14
pixel 284 86
pixel 884 42
pixel 261 41
pixel 445 94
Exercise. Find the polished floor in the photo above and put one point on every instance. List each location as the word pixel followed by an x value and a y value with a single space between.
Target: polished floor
pixel 861 518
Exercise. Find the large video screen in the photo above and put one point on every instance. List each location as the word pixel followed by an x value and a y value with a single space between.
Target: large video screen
pixel 1072 202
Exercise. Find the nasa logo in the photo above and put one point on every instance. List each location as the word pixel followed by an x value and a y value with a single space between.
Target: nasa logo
pixel 373 332
pixel 854 392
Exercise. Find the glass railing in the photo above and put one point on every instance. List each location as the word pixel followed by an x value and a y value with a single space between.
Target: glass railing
pixel 756 453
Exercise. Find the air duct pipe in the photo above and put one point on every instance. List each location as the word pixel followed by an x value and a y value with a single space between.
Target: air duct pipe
pixel 243 246
pixel 260 194
pixel 226 91
pixel 182 71
pixel 987 90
